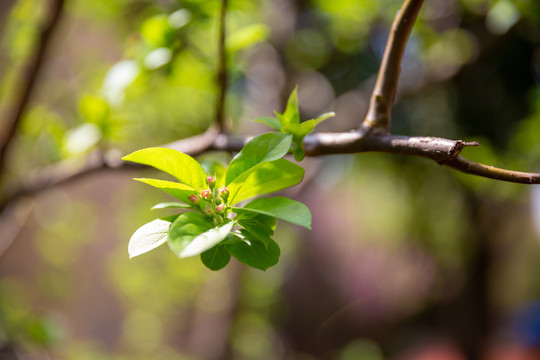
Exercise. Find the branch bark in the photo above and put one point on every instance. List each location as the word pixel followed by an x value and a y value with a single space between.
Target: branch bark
pixel 382 97
pixel 27 80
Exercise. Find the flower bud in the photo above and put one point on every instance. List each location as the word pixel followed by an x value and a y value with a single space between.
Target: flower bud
pixel 211 181
pixel 220 209
pixel 224 193
pixel 206 194
pixel 194 199
pixel 209 211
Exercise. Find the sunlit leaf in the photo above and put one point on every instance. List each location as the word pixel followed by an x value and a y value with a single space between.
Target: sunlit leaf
pixel 265 147
pixel 192 233
pixel 247 36
pixel 171 205
pixel 149 236
pixel 179 191
pixel 281 208
pixel 271 121
pixel 186 169
pixel 264 178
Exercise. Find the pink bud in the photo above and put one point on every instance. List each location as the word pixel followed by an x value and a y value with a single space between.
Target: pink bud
pixel 206 194
pixel 224 193
pixel 194 199
pixel 220 208
pixel 211 181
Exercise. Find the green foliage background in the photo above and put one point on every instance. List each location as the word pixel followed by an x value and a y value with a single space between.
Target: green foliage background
pixel 400 247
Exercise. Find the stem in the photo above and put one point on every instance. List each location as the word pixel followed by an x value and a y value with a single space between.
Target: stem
pixel 27 80
pixel 222 70
pixel 382 97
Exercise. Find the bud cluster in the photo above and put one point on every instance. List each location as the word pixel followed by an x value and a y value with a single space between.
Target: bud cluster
pixel 212 201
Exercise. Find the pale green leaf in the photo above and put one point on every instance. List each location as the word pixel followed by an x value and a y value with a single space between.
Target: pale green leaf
pixel 271 121
pixel 183 167
pixel 148 237
pixel 247 36
pixel 179 191
pixel 291 114
pixel 171 205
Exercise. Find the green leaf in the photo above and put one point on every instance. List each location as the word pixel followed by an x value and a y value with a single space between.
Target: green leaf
pixel 247 36
pixel 183 167
pixel 169 205
pixel 291 114
pixel 265 147
pixel 149 236
pixel 192 234
pixel 179 191
pixel 307 126
pixel 271 121
pixel 215 258
pixel 254 253
pixel 264 178
pixel 269 222
pixel 257 229
pixel 281 208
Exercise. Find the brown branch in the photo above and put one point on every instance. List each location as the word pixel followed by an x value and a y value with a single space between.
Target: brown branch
pixel 382 97
pixel 27 80
pixel 443 151
pixel 222 69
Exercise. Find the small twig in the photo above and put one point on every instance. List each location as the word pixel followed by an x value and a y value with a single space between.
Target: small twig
pixel 222 69
pixel 28 76
pixel 490 172
pixel 382 98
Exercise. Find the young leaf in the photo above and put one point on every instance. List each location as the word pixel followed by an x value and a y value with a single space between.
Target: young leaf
pixel 265 147
pixel 149 236
pixel 192 234
pixel 281 208
pixel 265 178
pixel 171 205
pixel 214 168
pixel 291 114
pixel 179 191
pixel 271 121
pixel 307 126
pixel 183 167
pixel 215 258
pixel 254 253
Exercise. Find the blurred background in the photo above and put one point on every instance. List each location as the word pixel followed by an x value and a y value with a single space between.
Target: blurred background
pixel 406 259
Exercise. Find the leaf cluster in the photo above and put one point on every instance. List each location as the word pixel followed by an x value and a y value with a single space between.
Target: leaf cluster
pixel 289 122
pixel 213 223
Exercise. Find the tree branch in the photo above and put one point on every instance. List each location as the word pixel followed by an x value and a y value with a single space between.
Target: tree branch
pixel 443 151
pixel 222 69
pixel 382 97
pixel 27 80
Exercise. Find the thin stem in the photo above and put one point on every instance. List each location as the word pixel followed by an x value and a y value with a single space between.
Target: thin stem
pixel 27 80
pixel 382 97
pixel 222 69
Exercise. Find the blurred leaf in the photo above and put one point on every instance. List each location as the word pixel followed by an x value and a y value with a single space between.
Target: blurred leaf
pixel 157 32
pixel 247 36
pixel 171 205
pixel 271 121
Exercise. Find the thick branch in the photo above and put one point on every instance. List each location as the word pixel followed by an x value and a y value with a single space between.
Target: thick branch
pixel 25 84
pixel 382 98
pixel 222 69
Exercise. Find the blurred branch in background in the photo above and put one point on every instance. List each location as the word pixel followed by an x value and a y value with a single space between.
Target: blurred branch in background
pixel 23 88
